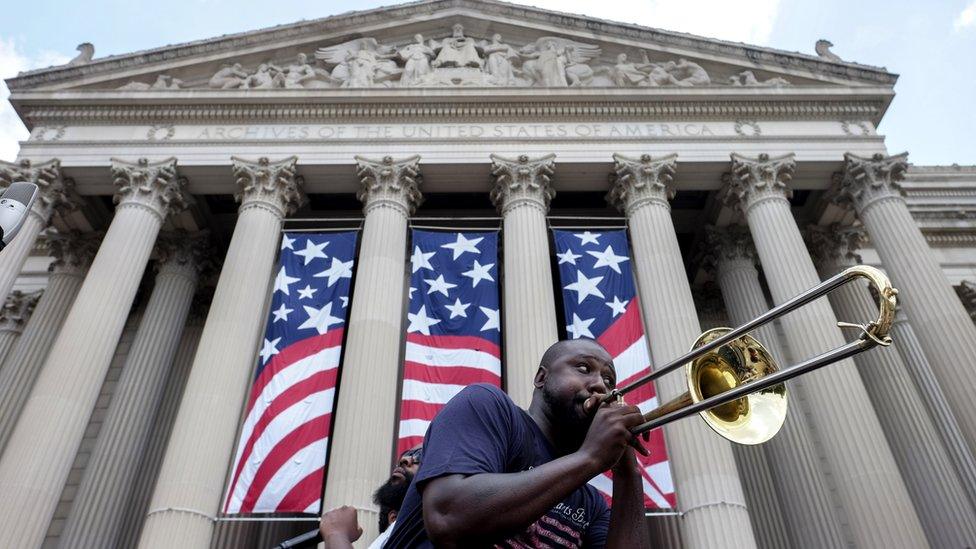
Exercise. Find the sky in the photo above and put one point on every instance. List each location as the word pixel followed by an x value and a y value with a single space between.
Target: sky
pixel 931 45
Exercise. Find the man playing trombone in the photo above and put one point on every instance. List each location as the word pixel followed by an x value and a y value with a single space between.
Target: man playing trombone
pixel 496 475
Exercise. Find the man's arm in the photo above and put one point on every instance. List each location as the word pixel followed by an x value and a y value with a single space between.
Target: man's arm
pixel 491 505
pixel 627 524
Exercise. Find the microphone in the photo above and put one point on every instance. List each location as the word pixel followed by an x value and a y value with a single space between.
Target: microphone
pixel 15 202
pixel 308 539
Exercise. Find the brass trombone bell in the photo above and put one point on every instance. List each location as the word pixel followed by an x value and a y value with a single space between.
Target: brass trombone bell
pixel 751 419
pixel 735 384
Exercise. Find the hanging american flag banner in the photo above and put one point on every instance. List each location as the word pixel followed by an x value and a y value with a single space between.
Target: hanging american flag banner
pixel 280 462
pixel 453 331
pixel 600 302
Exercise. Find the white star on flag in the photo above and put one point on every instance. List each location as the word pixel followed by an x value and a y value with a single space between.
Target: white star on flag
pixel 287 242
pixel 458 309
pixel 492 323
pixel 420 322
pixel 587 236
pixel 312 251
pixel 345 301
pixel 412 290
pixel 462 245
pixel 282 281
pixel 618 307
pixel 338 269
pixel 568 257
pixel 281 313
pixel 607 258
pixel 307 292
pixel 269 349
pixel 420 260
pixel 580 328
pixel 478 273
pixel 585 287
pixel 439 285
pixel 320 319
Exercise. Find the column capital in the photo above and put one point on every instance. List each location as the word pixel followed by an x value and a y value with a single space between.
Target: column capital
pixel 642 181
pixel 17 309
pixel 183 253
pixel 274 186
pixel 155 186
pixel 865 181
pixel 728 247
pixel 966 291
pixel 72 251
pixel 522 181
pixel 835 243
pixel 752 180
pixel 54 191
pixel 389 183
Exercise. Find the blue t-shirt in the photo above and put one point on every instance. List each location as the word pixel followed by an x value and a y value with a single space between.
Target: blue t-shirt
pixel 482 431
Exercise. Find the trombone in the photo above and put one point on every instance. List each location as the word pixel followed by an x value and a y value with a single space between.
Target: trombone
pixel 733 381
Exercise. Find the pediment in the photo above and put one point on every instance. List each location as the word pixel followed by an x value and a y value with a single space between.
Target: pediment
pixel 450 44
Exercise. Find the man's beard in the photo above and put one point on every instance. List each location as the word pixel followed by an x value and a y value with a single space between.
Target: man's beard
pixel 390 496
pixel 568 416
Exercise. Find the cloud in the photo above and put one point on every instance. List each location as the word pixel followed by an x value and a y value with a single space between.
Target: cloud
pixel 749 21
pixel 966 18
pixel 12 61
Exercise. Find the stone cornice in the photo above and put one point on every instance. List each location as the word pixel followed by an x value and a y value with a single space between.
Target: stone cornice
pixel 52 114
pixel 355 21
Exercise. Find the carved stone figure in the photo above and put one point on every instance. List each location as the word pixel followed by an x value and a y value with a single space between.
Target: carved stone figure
pixel 86 52
pixel 558 62
pixel 298 73
pixel 360 63
pixel 686 73
pixel 457 51
pixel 822 47
pixel 625 73
pixel 267 76
pixel 228 77
pixel 748 78
pixel 416 58
pixel 499 62
pixel 163 82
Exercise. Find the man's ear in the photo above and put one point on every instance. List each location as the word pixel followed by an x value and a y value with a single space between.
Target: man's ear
pixel 391 517
pixel 540 377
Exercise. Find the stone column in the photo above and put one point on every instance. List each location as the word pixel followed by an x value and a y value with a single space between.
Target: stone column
pixel 762 498
pixel 706 481
pixel 940 501
pixel 13 316
pixel 191 481
pixel 43 445
pixel 363 436
pixel 53 193
pixel 99 505
pixel 871 187
pixel 152 457
pixel 522 192
pixel 928 388
pixel 793 461
pixel 72 256
pixel 866 478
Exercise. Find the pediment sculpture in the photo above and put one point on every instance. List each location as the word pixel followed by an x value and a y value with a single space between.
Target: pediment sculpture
pixel 460 60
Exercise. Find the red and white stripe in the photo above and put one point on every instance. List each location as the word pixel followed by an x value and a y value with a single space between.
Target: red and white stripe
pixel 435 369
pixel 625 342
pixel 280 461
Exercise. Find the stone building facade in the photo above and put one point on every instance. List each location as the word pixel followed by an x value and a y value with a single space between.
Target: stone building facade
pixel 743 174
